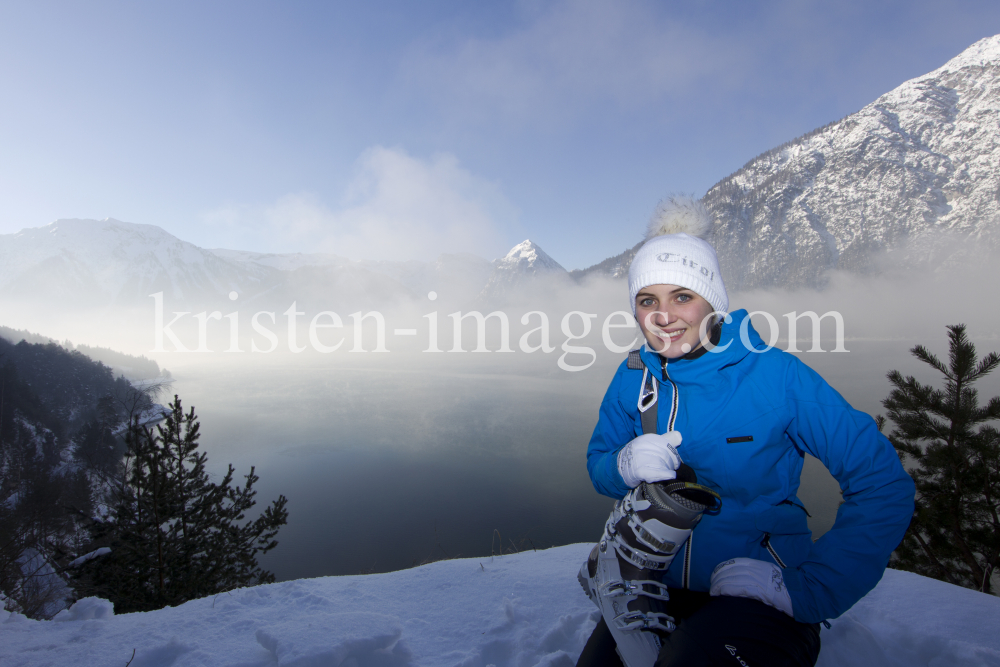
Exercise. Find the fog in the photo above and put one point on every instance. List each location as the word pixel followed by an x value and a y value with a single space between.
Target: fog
pixel 396 457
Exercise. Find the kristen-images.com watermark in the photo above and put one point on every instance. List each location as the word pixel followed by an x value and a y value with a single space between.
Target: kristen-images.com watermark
pixel 325 332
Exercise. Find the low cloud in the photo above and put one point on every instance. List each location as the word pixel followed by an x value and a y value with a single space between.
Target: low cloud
pixel 397 207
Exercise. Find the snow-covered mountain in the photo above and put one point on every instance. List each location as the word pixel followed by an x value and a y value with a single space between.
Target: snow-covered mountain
pixel 91 263
pixel 282 262
pixel 920 160
pixel 524 263
pixel 109 262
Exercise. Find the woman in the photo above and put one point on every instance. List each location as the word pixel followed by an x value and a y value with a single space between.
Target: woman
pixel 749 585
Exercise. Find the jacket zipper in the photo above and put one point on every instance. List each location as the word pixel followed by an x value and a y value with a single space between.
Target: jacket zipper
pixel 766 543
pixel 686 575
pixel 675 399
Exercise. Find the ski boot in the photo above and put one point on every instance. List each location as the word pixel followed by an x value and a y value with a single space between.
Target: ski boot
pixel 645 531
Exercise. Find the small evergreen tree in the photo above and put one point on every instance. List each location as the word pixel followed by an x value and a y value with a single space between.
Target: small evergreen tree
pixel 174 534
pixel 954 459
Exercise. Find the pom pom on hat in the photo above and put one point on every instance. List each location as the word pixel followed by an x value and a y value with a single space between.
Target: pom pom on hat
pixel 676 252
pixel 680 215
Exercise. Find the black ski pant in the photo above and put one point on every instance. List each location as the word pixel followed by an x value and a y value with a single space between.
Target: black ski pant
pixel 719 632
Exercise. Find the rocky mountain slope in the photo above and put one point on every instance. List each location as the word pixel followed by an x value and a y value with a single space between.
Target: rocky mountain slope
pixel 913 169
pixel 922 160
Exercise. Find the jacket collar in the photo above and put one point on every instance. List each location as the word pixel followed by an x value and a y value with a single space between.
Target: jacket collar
pixel 731 349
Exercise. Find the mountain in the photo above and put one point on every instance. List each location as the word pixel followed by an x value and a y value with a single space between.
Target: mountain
pixel 525 263
pixel 920 160
pixel 283 262
pixel 97 264
pixel 109 262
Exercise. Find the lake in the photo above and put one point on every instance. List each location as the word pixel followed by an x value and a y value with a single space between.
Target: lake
pixel 392 460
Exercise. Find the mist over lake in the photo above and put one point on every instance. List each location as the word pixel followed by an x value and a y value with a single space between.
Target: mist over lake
pixel 387 466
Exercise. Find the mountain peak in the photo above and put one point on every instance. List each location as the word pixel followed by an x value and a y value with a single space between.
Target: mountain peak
pixel 984 52
pixel 528 257
pixel 524 263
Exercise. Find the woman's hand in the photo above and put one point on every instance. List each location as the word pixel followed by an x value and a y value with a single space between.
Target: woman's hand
pixel 650 458
pixel 751 578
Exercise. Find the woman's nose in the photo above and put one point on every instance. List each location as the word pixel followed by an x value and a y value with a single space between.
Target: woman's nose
pixel 664 317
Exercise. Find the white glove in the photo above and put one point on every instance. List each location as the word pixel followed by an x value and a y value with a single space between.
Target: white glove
pixel 650 458
pixel 751 578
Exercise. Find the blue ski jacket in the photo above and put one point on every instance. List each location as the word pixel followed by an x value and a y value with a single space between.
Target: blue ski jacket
pixel 748 414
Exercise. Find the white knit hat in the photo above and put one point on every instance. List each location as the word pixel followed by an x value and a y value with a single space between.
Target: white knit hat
pixel 676 253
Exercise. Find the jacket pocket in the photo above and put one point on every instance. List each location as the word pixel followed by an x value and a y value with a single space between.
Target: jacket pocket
pixel 785 536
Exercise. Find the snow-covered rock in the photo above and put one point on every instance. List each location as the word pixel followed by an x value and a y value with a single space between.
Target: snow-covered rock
pixel 525 609
pixel 96 553
pixel 920 160
pixel 86 609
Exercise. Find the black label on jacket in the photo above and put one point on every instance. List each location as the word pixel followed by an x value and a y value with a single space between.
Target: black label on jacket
pixel 742 438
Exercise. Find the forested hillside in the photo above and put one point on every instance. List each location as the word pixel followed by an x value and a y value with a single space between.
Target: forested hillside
pixel 59 415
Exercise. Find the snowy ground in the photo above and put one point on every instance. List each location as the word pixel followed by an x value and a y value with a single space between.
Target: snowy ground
pixel 519 610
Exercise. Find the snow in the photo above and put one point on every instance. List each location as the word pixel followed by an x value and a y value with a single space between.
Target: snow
pixel 524 609
pixel 981 54
pixel 86 609
pixel 103 551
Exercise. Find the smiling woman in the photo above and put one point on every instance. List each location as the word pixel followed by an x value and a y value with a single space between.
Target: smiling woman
pixel 736 421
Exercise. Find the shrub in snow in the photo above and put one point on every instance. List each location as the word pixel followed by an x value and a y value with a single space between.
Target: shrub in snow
pixel 955 534
pixel 174 535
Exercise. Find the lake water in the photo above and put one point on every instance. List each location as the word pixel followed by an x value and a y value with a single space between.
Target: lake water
pixel 399 460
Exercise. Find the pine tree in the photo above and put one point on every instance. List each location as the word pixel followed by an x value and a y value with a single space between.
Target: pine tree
pixel 953 455
pixel 174 534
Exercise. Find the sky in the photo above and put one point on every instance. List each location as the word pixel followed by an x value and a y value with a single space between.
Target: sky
pixel 400 130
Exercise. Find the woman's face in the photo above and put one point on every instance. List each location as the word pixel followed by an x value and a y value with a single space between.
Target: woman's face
pixel 670 318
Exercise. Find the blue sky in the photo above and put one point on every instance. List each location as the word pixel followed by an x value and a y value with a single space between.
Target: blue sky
pixel 399 130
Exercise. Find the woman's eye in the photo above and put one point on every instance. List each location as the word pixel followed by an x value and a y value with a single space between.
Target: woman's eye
pixel 683 298
pixel 646 303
